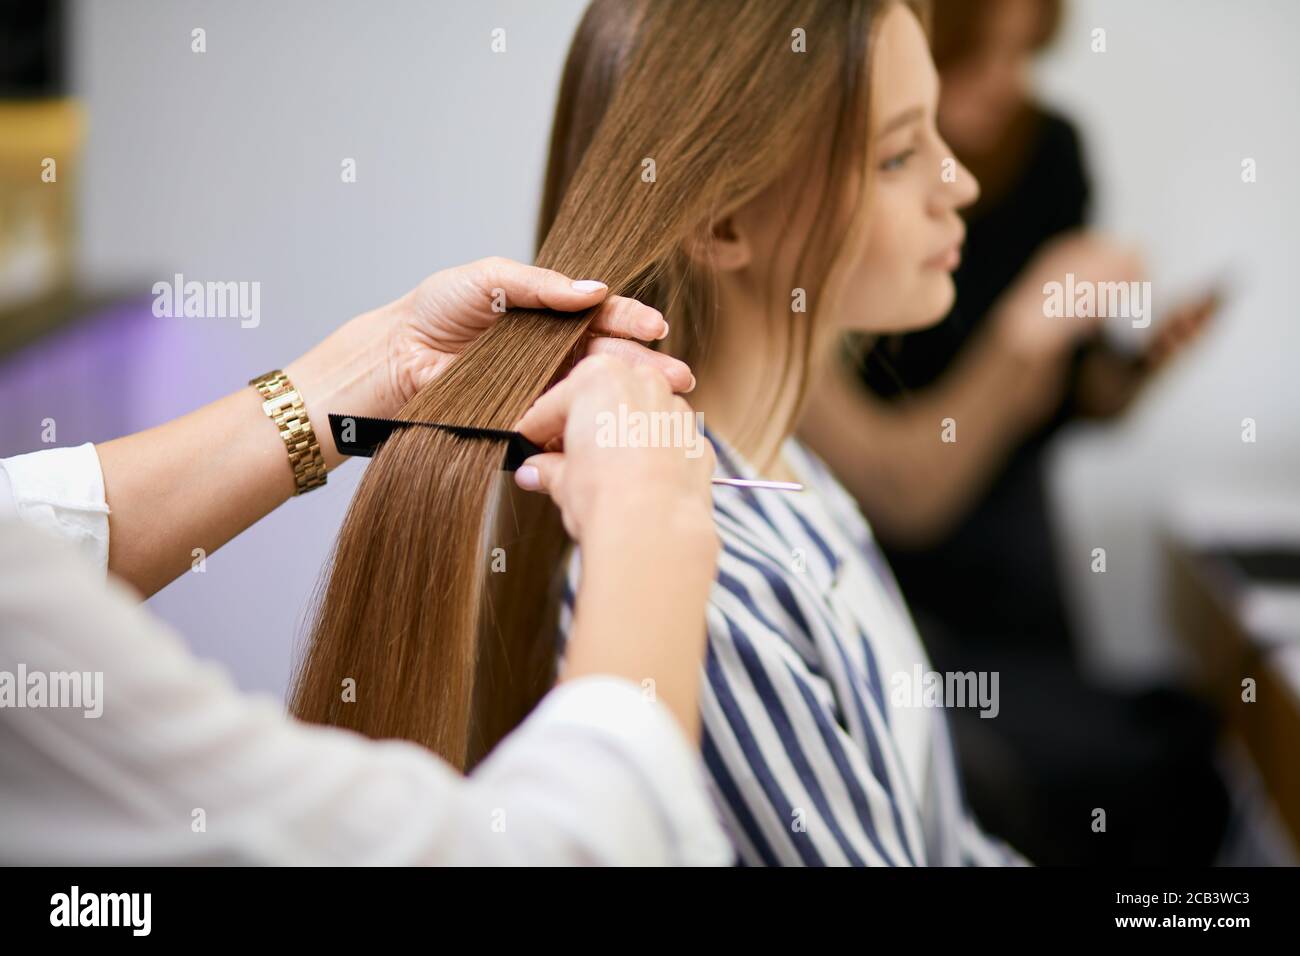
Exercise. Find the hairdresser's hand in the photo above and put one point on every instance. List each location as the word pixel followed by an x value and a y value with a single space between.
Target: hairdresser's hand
pixel 450 309
pixel 224 465
pixel 593 476
pixel 374 363
pixel 644 518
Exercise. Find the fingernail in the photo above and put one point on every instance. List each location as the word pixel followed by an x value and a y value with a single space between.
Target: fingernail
pixel 528 477
pixel 586 286
pixel 655 328
pixel 664 333
pixel 692 388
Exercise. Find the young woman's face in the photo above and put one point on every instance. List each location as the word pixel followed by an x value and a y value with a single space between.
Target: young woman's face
pixel 893 269
pixel 899 270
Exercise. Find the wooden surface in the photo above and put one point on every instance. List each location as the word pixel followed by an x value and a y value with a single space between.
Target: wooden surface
pixel 1202 599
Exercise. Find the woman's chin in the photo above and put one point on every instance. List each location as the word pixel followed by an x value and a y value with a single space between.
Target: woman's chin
pixel 927 305
pixel 932 304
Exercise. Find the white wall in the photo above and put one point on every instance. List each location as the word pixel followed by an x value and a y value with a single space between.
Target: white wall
pixel 225 165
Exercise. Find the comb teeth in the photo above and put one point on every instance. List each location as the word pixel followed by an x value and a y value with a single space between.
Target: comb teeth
pixel 367 434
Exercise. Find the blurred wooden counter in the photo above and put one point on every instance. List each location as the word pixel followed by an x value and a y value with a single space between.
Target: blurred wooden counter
pixel 1212 606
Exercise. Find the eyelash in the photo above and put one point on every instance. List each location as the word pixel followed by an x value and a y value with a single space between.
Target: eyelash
pixel 899 161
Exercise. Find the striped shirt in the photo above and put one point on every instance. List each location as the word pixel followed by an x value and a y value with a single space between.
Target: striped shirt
pixel 811 761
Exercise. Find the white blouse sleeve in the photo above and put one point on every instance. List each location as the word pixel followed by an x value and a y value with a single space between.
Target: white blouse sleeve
pixel 62 491
pixel 121 748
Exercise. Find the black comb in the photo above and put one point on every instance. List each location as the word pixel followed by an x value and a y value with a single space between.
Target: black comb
pixel 368 434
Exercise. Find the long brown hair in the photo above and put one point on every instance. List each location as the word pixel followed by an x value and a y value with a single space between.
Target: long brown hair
pixel 670 115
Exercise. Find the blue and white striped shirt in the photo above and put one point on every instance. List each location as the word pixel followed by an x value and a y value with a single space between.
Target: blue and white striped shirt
pixel 810 761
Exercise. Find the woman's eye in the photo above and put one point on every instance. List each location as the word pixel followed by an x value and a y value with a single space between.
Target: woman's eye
pixel 898 161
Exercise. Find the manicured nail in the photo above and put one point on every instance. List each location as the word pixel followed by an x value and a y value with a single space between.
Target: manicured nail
pixel 586 286
pixel 692 388
pixel 664 333
pixel 655 328
pixel 528 478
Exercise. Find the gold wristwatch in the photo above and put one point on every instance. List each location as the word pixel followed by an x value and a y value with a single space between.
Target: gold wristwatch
pixel 283 405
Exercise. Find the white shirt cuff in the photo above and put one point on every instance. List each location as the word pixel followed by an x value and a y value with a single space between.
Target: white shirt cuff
pixel 62 491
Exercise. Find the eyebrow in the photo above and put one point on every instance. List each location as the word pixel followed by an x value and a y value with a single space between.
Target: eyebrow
pixel 902 119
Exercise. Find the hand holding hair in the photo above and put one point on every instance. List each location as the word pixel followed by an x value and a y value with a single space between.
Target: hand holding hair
pixel 587 479
pixel 643 518
pixel 376 363
pixel 201 479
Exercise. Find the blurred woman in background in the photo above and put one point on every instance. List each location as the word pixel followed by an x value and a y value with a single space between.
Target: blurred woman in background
pixel 966 523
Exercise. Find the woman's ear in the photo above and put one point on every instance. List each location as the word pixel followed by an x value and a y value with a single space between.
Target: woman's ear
pixel 721 246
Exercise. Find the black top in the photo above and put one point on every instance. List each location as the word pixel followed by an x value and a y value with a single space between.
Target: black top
pixel 994 579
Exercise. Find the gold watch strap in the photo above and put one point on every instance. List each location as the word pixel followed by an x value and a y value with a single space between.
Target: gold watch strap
pixel 283 405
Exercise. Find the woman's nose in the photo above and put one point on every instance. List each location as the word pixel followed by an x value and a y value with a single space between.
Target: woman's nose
pixel 966 188
pixel 958 186
pixel 969 186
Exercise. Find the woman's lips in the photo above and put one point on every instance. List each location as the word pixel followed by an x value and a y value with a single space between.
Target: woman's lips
pixel 947 260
